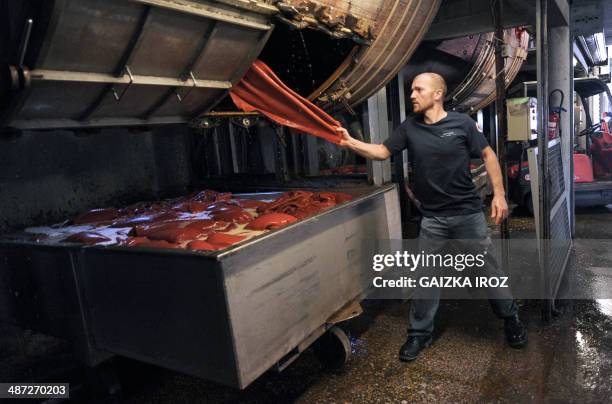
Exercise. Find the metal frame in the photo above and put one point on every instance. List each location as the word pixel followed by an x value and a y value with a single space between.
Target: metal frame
pixel 400 160
pixel 254 16
pixel 95 123
pixel 549 289
pixel 543 200
pixel 205 9
pixel 502 121
pixel 558 51
pixel 55 75
pixel 379 172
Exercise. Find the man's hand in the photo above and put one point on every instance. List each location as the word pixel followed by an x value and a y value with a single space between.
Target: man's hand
pixel 499 209
pixel 345 138
pixel 367 150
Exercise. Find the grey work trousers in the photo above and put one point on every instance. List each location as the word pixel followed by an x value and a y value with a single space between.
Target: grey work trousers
pixel 434 236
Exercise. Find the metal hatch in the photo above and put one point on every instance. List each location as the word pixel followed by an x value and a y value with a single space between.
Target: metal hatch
pixel 118 62
pixel 134 62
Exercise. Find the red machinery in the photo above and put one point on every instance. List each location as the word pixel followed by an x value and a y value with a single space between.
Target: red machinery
pixel 601 151
pixel 592 164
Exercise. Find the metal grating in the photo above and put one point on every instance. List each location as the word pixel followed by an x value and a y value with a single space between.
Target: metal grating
pixel 559 225
pixel 560 244
pixel 555 170
pixel 560 241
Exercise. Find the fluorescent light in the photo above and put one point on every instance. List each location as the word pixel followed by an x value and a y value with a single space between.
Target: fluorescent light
pixel 600 43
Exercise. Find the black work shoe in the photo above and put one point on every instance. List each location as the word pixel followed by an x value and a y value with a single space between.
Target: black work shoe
pixel 413 345
pixel 516 335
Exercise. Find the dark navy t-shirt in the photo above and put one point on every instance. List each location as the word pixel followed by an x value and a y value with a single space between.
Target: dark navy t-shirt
pixel 440 155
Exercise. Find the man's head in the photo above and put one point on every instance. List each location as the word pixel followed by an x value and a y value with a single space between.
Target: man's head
pixel 428 90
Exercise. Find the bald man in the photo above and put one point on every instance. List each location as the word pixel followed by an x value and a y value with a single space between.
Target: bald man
pixel 440 145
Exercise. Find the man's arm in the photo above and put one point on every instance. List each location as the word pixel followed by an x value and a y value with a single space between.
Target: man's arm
pixel 367 150
pixel 499 207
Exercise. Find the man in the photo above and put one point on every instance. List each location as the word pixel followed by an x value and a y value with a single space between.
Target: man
pixel 440 145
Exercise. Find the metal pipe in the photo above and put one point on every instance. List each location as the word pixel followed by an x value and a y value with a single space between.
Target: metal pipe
pixel 502 127
pixel 25 38
pixel 571 134
pixel 230 114
pixel 56 75
pixel 398 158
pixel 544 200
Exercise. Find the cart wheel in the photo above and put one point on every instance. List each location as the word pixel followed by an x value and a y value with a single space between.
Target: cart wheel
pixel 333 348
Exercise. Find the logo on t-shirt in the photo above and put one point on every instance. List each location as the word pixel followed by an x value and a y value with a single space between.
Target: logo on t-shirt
pixel 447 134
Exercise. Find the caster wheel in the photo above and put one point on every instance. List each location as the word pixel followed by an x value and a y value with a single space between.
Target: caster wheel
pixel 333 348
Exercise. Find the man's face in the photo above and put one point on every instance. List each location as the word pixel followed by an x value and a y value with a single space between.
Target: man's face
pixel 424 94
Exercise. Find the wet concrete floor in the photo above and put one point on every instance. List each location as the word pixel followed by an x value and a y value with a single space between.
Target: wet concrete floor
pixel 566 360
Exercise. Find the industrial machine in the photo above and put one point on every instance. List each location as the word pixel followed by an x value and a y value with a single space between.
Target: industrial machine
pixel 593 164
pixel 77 63
pixel 105 103
pixel 468 65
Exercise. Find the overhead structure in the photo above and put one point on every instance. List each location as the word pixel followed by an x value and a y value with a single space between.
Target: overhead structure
pixel 395 27
pixel 468 65
pixel 82 63
pixel 123 62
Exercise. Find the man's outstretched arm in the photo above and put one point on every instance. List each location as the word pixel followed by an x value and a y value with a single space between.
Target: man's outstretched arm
pixel 499 206
pixel 367 150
